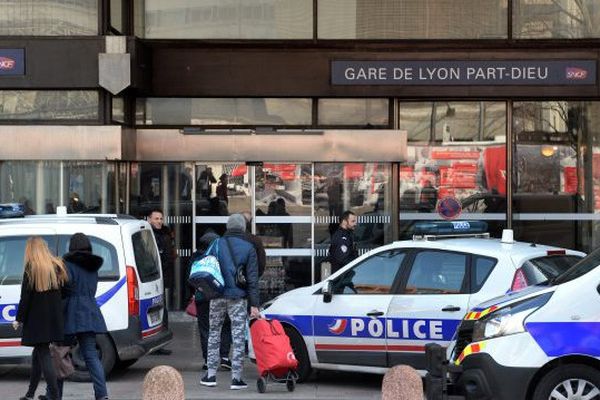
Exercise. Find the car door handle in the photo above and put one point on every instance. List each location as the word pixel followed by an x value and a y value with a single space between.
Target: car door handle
pixel 451 308
pixel 375 313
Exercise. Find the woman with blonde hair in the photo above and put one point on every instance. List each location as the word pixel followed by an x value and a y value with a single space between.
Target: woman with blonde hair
pixel 40 312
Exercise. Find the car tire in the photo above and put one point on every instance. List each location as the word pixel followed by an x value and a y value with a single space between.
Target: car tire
pixel 574 375
pixel 299 347
pixel 124 364
pixel 106 352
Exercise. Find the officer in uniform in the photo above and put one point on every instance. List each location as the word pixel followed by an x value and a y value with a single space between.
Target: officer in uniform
pixel 342 249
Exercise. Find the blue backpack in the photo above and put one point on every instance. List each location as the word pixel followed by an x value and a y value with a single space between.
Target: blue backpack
pixel 205 274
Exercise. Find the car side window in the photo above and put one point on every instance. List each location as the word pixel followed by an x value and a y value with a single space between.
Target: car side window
pixel 437 272
pixel 375 275
pixel 483 267
pixel 12 255
pixel 110 266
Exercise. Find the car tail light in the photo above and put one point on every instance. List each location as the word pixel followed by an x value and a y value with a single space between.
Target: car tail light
pixel 133 292
pixel 519 281
pixel 556 252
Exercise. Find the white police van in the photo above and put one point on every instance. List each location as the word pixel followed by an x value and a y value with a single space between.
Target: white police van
pixel 542 343
pixel 130 287
pixel 381 309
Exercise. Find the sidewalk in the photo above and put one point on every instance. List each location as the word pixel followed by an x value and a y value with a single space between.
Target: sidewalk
pixel 186 358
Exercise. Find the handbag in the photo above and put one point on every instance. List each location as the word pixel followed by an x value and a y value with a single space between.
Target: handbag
pixel 240 270
pixel 62 361
pixel 191 307
pixel 205 275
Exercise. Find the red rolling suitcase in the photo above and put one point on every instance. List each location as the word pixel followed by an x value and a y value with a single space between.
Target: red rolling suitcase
pixel 274 355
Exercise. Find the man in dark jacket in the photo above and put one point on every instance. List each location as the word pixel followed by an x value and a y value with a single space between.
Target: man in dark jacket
pixel 166 248
pixel 233 251
pixel 261 255
pixel 83 318
pixel 343 249
pixel 203 310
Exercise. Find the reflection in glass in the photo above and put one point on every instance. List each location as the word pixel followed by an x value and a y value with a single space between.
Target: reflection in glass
pixel 89 187
pixel 556 19
pixel 412 19
pixel 48 105
pixel 556 171
pixel 222 189
pixel 229 19
pixel 359 112
pixel 224 111
pixel 35 184
pixel 474 173
pixel 49 18
pixel 361 188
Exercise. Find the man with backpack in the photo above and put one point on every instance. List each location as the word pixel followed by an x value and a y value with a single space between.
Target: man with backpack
pixel 239 267
pixel 203 309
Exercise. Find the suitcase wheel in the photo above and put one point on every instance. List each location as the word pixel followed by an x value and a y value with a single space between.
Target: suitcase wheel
pixel 290 384
pixel 261 384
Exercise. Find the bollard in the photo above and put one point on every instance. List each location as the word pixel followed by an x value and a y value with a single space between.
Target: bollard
pixel 163 383
pixel 402 383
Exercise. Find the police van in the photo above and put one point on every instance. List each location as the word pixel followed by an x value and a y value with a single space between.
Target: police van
pixel 381 309
pixel 130 287
pixel 542 344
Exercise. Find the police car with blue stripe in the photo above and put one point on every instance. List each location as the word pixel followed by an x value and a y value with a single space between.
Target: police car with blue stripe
pixel 542 343
pixel 381 309
pixel 130 287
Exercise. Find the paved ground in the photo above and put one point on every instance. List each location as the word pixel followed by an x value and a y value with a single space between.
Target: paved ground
pixel 186 357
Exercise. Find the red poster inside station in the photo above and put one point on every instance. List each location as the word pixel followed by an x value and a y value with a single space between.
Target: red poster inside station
pixel 454 155
pixel 570 179
pixel 353 171
pixel 494 163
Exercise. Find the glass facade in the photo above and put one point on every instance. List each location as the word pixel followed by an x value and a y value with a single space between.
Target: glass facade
pixel 356 112
pixel 49 18
pixel 224 111
pixel 412 19
pixel 556 19
pixel 228 19
pixel 28 105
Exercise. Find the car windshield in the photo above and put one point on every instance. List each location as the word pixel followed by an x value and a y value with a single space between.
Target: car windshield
pixel 581 268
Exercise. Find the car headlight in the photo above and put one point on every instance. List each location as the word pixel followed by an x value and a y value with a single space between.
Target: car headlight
pixel 508 320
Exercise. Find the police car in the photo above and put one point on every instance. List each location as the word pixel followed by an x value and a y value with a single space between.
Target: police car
pixel 130 287
pixel 542 343
pixel 381 309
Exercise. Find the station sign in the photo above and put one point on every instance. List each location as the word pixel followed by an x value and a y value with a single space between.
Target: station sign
pixel 12 62
pixel 464 72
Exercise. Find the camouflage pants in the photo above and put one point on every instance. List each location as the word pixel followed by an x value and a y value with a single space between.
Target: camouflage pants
pixel 237 311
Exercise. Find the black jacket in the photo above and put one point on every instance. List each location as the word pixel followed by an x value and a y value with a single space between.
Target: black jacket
pixel 342 249
pixel 261 255
pixel 164 241
pixel 41 314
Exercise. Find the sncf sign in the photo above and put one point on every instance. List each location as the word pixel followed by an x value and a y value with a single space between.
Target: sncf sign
pixel 12 62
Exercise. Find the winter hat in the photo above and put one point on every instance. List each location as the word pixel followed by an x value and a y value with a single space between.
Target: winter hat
pixel 80 242
pixel 236 222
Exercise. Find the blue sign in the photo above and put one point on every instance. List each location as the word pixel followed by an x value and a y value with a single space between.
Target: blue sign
pixel 461 73
pixel 12 62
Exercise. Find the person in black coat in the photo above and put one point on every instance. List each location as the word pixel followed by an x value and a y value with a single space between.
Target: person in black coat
pixel 40 312
pixel 83 318
pixel 343 249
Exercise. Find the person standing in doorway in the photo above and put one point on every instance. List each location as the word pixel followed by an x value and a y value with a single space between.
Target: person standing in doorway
pixel 83 318
pixel 343 249
pixel 40 312
pixel 166 248
pixel 234 251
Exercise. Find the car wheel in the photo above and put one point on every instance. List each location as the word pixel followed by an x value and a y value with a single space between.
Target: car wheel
pixel 124 364
pixel 569 382
pixel 299 348
pixel 106 353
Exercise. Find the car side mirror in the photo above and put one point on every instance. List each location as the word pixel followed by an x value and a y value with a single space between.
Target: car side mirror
pixel 327 292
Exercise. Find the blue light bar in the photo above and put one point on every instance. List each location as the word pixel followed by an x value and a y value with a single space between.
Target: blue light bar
pixel 12 210
pixel 450 227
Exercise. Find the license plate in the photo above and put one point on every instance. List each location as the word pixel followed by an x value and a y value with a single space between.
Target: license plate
pixel 154 317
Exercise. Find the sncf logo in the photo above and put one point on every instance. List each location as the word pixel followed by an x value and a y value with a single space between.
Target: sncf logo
pixel 576 73
pixel 7 63
pixel 338 327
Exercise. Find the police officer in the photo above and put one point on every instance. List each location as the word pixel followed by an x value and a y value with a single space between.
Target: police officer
pixel 342 249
